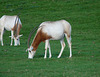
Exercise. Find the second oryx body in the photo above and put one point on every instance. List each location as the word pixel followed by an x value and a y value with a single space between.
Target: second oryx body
pixel 13 24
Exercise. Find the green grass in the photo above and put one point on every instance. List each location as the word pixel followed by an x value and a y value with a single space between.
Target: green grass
pixel 83 15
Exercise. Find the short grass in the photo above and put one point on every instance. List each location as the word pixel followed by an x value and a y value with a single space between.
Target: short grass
pixel 84 16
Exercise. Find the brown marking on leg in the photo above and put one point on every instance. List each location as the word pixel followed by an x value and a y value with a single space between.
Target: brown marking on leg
pixel 63 44
pixel 68 35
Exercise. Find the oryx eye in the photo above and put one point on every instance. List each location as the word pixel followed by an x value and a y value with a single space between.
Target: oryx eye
pixel 29 51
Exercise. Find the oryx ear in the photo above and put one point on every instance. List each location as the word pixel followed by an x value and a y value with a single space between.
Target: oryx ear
pixel 26 50
pixel 20 35
pixel 30 48
pixel 11 36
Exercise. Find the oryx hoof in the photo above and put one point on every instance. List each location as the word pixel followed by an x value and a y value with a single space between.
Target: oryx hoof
pixel 58 56
pixel 70 56
pixel 45 57
pixel 50 56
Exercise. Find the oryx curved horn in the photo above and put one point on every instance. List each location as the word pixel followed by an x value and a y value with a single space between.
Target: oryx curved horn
pixel 34 29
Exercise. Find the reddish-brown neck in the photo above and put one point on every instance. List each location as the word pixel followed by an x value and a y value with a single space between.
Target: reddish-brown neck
pixel 16 29
pixel 40 36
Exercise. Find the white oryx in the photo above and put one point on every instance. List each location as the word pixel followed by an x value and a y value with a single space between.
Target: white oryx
pixel 13 24
pixel 56 30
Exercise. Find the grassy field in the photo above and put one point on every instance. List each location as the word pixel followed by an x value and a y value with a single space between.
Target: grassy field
pixel 83 15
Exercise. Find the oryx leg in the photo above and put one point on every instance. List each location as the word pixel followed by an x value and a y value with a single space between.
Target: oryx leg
pixel 19 41
pixel 1 37
pixel 49 50
pixel 47 45
pixel 68 37
pixel 12 37
pixel 63 46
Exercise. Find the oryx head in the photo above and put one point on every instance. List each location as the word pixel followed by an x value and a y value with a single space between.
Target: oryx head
pixel 16 39
pixel 31 52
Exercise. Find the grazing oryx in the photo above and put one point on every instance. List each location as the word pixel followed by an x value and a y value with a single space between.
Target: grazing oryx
pixel 13 24
pixel 51 31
